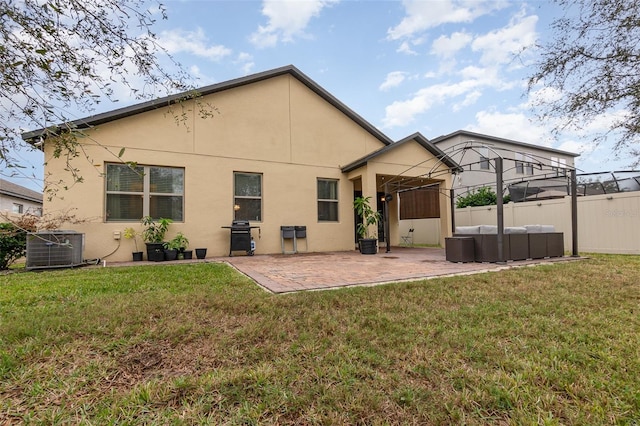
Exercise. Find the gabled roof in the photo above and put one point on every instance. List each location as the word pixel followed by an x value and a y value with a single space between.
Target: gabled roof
pixel 117 114
pixel 502 140
pixel 14 190
pixel 416 137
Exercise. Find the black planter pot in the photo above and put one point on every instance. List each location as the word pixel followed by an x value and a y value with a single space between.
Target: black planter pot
pixel 137 256
pixel 201 253
pixel 368 245
pixel 155 252
pixel 188 254
pixel 171 254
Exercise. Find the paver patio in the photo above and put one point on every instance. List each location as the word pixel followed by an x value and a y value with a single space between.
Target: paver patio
pixel 316 271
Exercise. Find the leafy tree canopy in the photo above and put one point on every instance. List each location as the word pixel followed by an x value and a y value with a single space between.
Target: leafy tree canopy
pixel 58 56
pixel 591 70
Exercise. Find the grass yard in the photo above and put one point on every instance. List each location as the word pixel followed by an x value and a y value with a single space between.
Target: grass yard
pixel 199 343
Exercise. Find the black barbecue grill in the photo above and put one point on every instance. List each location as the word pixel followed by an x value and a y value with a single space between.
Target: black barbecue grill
pixel 240 237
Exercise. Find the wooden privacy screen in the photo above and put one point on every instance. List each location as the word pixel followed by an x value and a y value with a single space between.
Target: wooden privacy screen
pixel 420 204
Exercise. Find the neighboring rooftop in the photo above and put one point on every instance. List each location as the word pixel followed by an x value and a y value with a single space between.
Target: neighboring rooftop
pixel 473 135
pixel 14 190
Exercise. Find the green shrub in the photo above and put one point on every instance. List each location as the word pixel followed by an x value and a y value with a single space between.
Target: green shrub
pixel 483 197
pixel 13 244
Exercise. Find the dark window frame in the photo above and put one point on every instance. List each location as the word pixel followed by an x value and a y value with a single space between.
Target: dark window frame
pixel 143 190
pixel 328 201
pixel 240 200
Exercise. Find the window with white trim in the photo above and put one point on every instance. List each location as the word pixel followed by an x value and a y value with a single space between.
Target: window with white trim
pixel 327 200
pixel 559 165
pixel 135 192
pixel 524 163
pixel 484 158
pixel 247 196
pixel 18 208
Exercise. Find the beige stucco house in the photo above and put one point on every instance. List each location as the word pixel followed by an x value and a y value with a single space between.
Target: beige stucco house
pixel 279 151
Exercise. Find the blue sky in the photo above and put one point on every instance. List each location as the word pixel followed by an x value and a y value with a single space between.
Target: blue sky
pixel 432 66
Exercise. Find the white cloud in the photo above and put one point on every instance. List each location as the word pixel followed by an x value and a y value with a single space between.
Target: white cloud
pixel 394 79
pixel 422 15
pixel 201 78
pixel 287 19
pixel 487 76
pixel 402 113
pixel 514 126
pixel 543 95
pixel 448 46
pixel 469 99
pixel 499 46
pixel 474 80
pixel 575 146
pixel 194 42
pixel 405 47
pixel 245 60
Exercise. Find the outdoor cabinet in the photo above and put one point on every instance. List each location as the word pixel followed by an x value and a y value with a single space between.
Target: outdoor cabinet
pixel 460 249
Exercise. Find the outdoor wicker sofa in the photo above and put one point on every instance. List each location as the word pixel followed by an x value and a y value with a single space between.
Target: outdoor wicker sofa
pixel 480 243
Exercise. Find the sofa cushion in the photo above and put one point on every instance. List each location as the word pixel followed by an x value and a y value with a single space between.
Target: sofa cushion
pixel 515 230
pixel 536 229
pixel 488 229
pixel 533 229
pixel 468 230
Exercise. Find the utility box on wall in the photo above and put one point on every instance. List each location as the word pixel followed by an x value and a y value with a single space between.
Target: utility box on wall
pixel 54 249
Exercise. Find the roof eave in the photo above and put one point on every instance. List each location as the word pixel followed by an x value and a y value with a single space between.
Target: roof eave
pixel 504 140
pixel 420 139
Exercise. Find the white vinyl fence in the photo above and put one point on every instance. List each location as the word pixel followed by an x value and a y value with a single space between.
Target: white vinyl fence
pixel 606 223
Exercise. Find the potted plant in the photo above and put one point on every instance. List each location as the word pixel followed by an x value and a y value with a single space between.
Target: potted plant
pixel 171 250
pixel 368 241
pixel 180 243
pixel 132 234
pixel 153 235
pixel 201 253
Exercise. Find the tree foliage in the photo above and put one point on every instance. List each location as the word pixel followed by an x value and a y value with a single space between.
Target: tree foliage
pixel 13 244
pixel 13 238
pixel 593 66
pixel 484 196
pixel 61 56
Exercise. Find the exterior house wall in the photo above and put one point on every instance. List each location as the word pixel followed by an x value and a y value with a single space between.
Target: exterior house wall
pixel 13 195
pixel 277 127
pixel 7 204
pixel 425 231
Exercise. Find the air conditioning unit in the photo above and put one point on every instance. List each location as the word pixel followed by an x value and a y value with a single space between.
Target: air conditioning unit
pixel 54 249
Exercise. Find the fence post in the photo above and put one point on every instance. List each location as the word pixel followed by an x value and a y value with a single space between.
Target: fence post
pixel 574 213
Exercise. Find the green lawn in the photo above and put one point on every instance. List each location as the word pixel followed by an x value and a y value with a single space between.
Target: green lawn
pixel 199 343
